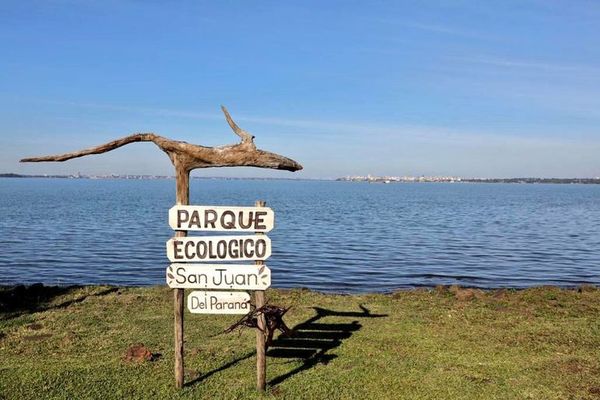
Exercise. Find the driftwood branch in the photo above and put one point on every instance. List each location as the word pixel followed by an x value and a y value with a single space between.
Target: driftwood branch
pixel 115 144
pixel 273 318
pixel 245 136
pixel 186 156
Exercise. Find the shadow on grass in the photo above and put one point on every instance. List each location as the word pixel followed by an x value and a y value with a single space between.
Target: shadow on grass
pixel 308 341
pixel 18 300
pixel 311 340
pixel 221 368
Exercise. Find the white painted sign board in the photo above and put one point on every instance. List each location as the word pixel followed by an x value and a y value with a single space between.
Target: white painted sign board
pixel 218 276
pixel 219 218
pixel 209 302
pixel 219 248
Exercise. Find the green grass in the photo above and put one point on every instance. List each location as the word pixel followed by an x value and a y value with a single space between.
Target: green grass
pixel 541 343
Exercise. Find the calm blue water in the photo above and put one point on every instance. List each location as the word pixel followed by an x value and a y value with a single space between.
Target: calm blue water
pixel 329 236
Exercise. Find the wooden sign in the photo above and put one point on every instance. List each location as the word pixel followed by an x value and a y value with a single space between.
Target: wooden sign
pixel 217 218
pixel 202 302
pixel 218 276
pixel 219 248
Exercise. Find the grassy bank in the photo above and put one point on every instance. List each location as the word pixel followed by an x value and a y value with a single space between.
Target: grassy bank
pixel 541 343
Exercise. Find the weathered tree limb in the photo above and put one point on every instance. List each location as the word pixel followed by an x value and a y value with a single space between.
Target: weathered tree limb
pixel 245 136
pixel 274 321
pixel 137 137
pixel 186 156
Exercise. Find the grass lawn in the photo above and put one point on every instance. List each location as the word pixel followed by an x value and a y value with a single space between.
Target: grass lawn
pixel 445 343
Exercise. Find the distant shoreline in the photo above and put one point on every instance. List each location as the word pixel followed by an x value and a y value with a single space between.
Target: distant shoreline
pixel 433 179
pixel 151 177
pixel 385 180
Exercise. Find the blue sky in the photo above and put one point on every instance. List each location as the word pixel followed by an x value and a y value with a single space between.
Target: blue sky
pixel 468 88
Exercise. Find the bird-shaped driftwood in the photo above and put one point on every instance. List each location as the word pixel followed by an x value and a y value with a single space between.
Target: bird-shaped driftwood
pixel 186 156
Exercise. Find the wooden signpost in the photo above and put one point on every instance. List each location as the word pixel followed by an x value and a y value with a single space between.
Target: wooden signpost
pixel 218 276
pixel 185 158
pixel 261 339
pixel 256 277
pixel 203 302
pixel 219 248
pixel 219 218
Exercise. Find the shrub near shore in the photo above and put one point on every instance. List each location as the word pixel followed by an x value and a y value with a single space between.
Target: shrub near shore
pixel 540 343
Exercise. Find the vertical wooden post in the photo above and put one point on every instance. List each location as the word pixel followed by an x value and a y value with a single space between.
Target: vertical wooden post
pixel 182 184
pixel 261 359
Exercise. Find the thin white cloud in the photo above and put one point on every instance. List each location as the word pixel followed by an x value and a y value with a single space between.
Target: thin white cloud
pixel 569 89
pixel 532 65
pixel 433 28
pixel 135 109
pixel 347 147
pixel 355 131
pixel 438 29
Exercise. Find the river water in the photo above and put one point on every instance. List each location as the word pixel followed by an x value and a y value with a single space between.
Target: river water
pixel 329 236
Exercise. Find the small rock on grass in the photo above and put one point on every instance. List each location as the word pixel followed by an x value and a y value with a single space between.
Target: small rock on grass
pixel 138 353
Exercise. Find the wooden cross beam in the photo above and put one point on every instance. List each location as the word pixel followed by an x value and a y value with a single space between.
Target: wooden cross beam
pixel 186 156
